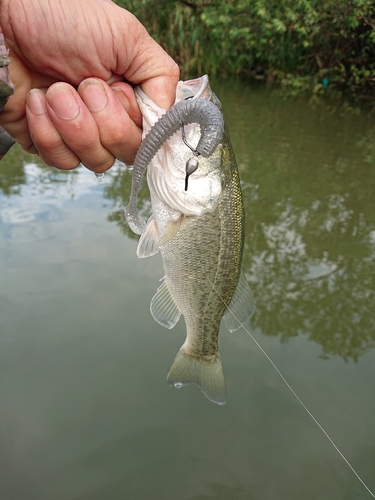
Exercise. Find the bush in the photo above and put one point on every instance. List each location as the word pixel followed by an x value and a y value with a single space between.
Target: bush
pixel 301 44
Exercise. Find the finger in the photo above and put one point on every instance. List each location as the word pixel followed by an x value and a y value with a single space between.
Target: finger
pixel 113 109
pixel 6 142
pixel 162 89
pixel 46 138
pixel 125 94
pixel 157 73
pixel 13 118
pixel 144 61
pixel 77 127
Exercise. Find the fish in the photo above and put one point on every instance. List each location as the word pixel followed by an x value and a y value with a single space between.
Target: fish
pixel 197 224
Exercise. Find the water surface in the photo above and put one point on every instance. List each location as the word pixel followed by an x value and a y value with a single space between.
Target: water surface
pixel 85 411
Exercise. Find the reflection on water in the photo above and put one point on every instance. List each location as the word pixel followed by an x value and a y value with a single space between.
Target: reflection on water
pixel 85 412
pixel 309 194
pixel 310 247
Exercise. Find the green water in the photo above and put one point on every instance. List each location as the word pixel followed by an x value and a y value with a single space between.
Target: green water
pixel 85 410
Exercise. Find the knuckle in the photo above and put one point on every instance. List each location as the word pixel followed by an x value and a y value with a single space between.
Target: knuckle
pixel 112 139
pixel 62 161
pixel 99 167
pixel 174 70
pixel 46 139
pixel 30 149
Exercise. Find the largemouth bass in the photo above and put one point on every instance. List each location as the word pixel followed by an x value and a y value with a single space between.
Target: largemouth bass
pixel 198 225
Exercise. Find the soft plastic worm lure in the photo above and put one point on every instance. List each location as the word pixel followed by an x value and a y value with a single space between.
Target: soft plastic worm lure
pixel 196 110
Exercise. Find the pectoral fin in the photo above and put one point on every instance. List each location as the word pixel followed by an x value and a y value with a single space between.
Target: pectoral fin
pixel 163 308
pixel 170 231
pixel 147 245
pixel 242 306
pixel 150 241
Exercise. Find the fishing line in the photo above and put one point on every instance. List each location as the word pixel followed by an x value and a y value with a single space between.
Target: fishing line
pixel 295 394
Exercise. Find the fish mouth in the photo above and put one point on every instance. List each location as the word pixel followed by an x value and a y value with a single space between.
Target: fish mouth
pixel 198 87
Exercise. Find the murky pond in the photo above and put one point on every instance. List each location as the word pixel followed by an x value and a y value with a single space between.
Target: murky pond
pixel 85 410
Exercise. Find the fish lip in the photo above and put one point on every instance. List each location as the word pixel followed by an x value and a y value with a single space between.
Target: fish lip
pixel 195 88
pixel 150 110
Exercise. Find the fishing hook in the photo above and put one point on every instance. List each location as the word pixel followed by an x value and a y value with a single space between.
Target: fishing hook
pixel 192 164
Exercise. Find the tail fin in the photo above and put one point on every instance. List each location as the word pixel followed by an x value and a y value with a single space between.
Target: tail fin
pixel 208 376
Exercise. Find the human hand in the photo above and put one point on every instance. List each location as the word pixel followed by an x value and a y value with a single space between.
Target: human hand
pixel 62 54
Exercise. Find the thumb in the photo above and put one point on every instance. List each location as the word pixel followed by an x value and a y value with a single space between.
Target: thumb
pixel 161 90
pixel 150 66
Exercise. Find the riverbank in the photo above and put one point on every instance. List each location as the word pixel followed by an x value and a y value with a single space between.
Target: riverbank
pixel 315 48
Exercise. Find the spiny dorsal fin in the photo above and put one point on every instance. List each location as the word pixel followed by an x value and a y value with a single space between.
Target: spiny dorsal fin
pixel 163 308
pixel 242 306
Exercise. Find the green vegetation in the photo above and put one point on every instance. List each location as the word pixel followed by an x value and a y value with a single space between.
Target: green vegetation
pixel 313 46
